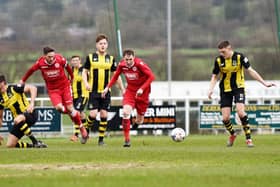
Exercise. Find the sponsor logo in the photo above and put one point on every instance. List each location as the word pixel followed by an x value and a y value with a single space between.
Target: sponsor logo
pixel 241 97
pixel 131 76
pixel 53 73
pixel 246 60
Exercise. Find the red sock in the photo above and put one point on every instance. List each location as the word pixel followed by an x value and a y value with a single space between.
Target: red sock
pixel 76 118
pixel 126 128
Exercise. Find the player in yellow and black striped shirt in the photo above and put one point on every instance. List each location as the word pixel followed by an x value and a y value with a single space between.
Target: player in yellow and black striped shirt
pixel 79 92
pixel 99 66
pixel 13 97
pixel 229 67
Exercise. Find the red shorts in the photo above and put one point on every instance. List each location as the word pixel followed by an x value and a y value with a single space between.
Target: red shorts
pixel 140 103
pixel 63 95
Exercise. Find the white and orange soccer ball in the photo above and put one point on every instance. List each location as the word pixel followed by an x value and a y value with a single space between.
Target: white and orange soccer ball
pixel 178 134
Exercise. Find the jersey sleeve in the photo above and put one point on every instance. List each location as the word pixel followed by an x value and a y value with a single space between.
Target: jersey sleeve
pixel 216 68
pixel 114 65
pixel 1 106
pixel 69 71
pixel 30 71
pixel 115 77
pixel 63 61
pixel 148 72
pixel 245 61
pixel 87 63
pixel 19 88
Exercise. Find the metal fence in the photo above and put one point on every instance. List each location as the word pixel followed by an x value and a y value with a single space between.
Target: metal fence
pixel 187 110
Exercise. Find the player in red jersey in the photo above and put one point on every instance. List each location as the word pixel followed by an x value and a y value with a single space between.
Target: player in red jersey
pixel 139 77
pixel 52 66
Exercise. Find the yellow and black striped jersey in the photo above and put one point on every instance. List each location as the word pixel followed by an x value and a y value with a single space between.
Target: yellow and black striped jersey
pixel 14 99
pixel 231 71
pixel 100 68
pixel 78 86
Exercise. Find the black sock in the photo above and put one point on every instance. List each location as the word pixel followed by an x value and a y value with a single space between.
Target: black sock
pixel 27 131
pixel 229 127
pixel 23 145
pixel 246 127
pixel 33 139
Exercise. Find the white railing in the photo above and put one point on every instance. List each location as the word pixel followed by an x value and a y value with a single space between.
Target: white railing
pixel 187 104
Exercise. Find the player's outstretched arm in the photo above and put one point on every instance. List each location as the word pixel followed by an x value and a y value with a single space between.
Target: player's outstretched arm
pixel 104 92
pixel 255 75
pixel 150 77
pixel 69 71
pixel 213 82
pixel 85 79
pixel 29 72
pixel 33 94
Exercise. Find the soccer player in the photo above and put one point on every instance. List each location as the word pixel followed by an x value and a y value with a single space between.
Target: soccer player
pixel 229 67
pixel 80 94
pixel 96 75
pixel 52 66
pixel 13 97
pixel 139 77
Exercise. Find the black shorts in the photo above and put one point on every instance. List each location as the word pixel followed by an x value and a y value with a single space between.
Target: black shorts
pixel 80 103
pixel 227 97
pixel 31 119
pixel 97 102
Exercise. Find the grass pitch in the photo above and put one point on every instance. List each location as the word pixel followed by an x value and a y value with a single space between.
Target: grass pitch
pixel 201 160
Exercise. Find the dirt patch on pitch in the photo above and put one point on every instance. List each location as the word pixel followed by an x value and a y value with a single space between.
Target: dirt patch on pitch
pixel 65 167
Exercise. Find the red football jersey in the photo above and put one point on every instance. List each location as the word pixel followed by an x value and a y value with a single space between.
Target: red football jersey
pixel 137 76
pixel 54 74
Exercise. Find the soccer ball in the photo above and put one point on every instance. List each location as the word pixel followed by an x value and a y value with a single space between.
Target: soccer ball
pixel 178 134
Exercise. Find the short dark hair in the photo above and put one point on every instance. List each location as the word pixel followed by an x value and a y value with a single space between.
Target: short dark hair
pixel 75 56
pixel 223 44
pixel 2 79
pixel 47 50
pixel 101 37
pixel 128 52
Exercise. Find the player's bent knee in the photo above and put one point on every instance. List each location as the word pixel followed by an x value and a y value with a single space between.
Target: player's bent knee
pixel 18 119
pixel 139 121
pixel 126 116
pixel 11 144
pixel 226 121
pixel 60 108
